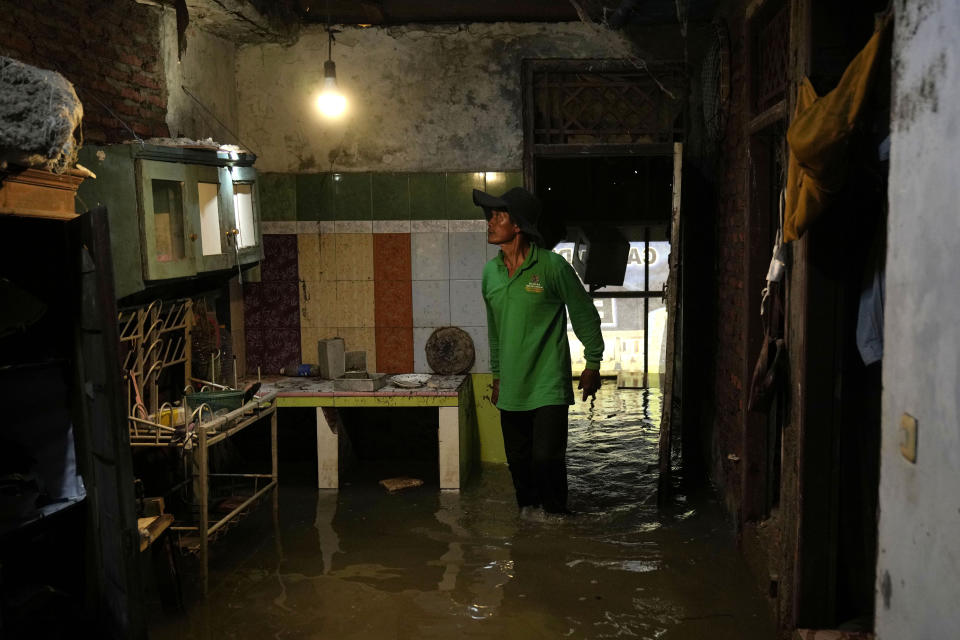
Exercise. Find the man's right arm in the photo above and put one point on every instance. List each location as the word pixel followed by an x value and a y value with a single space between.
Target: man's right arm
pixel 493 339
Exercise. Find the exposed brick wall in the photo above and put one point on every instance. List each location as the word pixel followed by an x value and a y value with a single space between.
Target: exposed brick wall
pixel 730 331
pixel 109 50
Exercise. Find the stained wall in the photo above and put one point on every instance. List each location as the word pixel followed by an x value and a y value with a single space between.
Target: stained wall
pixel 422 98
pixel 919 549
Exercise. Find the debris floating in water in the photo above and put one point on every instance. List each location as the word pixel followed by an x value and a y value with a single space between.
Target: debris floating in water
pixel 397 484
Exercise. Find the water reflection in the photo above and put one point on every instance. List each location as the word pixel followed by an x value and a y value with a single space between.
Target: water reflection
pixel 424 563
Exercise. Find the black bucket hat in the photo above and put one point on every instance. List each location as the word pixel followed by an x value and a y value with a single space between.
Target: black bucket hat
pixel 523 207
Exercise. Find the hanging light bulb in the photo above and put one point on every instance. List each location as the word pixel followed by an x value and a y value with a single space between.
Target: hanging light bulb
pixel 331 102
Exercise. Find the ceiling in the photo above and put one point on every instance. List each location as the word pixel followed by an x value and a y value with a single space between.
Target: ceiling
pixel 394 12
pixel 280 20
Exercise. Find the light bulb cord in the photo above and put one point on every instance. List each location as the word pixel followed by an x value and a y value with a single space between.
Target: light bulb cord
pixel 329 34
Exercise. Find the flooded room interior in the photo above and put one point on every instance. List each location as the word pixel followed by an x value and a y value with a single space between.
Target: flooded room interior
pixel 405 319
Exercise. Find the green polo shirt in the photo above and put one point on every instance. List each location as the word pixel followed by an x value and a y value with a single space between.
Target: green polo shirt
pixel 527 326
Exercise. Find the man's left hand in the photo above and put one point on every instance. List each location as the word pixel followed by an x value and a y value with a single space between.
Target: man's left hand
pixel 589 382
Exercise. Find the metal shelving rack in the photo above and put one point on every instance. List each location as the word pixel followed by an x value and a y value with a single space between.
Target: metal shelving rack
pixel 154 338
pixel 209 434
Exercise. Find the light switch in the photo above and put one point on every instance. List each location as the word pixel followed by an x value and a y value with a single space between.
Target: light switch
pixel 908 437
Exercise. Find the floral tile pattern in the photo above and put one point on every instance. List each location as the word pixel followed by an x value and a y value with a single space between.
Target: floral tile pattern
pixel 279 258
pixel 272 308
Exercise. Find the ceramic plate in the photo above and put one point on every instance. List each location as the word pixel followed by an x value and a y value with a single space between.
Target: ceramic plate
pixel 410 380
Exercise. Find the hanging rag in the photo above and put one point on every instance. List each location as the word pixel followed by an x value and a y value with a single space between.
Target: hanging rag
pixel 820 134
pixel 767 372
pixel 870 309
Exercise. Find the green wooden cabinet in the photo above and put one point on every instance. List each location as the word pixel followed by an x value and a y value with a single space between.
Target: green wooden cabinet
pixel 174 212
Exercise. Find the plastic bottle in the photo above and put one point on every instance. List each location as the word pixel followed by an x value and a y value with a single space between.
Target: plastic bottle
pixel 304 370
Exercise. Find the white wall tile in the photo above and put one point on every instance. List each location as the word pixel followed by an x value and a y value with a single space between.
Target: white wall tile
pixel 467 255
pixel 278 226
pixel 391 226
pixel 308 226
pixel 429 256
pixel 353 226
pixel 481 348
pixel 476 226
pixel 492 251
pixel 429 226
pixel 420 337
pixel 466 304
pixel 431 303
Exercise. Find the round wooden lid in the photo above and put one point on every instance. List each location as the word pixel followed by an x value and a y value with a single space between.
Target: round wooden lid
pixel 450 351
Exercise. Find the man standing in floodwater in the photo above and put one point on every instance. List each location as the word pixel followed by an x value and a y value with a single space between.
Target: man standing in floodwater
pixel 527 289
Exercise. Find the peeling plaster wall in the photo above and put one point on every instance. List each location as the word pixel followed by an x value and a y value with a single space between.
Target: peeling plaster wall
pixel 207 70
pixel 424 98
pixel 919 557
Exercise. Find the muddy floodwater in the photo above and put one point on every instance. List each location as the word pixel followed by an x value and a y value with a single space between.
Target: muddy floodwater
pixel 360 563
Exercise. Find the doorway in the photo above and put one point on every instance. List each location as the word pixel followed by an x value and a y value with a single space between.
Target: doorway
pixel 628 196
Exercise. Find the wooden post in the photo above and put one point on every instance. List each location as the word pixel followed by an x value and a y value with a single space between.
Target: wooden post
pixel 188 343
pixel 237 336
pixel 673 311
pixel 201 483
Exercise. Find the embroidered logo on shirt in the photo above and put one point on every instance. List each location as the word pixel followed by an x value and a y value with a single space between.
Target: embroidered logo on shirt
pixel 534 286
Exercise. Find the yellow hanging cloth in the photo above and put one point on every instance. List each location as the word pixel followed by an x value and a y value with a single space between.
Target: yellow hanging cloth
pixel 819 137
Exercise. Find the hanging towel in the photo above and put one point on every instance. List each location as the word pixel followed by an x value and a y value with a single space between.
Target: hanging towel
pixel 820 134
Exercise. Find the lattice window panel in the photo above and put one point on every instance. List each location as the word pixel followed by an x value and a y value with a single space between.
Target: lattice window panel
pixel 771 41
pixel 603 108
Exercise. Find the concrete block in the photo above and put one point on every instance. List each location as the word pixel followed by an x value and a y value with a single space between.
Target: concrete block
pixel 355 360
pixel 360 382
pixel 330 358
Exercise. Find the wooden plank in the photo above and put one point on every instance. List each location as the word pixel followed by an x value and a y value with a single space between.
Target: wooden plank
pixel 151 528
pixel 757 253
pixel 110 486
pixel 774 114
pixel 673 298
pixel 795 329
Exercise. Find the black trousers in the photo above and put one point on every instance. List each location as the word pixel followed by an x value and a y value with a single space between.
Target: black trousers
pixel 536 445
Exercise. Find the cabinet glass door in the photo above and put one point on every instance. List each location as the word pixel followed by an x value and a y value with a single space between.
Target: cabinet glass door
pixel 246 214
pixel 243 209
pixel 168 232
pixel 215 250
pixel 208 195
pixel 168 224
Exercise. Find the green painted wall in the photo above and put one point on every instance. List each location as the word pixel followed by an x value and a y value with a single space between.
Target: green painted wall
pixel 488 420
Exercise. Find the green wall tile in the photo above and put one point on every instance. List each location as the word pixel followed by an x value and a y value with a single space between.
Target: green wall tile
pixel 315 196
pixel 278 196
pixel 502 181
pixel 426 196
pixel 391 196
pixel 513 179
pixel 352 196
pixel 458 195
